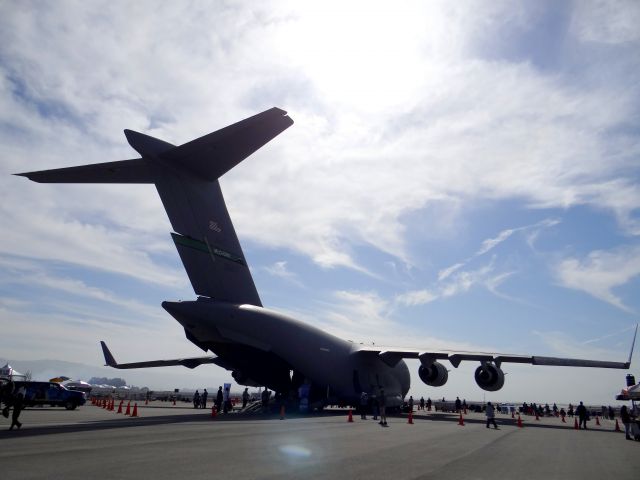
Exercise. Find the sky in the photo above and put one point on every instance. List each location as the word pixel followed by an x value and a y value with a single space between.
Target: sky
pixel 459 175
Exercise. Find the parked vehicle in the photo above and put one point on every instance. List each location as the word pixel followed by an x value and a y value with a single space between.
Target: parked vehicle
pixel 50 393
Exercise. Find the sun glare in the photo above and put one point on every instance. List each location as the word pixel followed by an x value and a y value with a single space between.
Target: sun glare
pixel 359 53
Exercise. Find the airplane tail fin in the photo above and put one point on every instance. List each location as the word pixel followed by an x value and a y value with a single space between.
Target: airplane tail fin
pixel 108 357
pixel 186 178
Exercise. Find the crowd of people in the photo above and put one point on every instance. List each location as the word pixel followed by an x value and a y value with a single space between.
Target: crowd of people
pixel 222 402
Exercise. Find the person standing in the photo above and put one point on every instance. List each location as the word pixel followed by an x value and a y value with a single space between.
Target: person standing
pixel 458 404
pixel 429 404
pixel 196 400
pixel 421 403
pixel 626 421
pixel 245 397
pixel 581 412
pixel 203 401
pixel 382 403
pixel 491 415
pixel 219 399
pixel 411 403
pixel 364 402
pixel 18 399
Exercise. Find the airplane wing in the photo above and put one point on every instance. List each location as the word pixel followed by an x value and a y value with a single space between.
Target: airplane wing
pixel 192 362
pixel 391 356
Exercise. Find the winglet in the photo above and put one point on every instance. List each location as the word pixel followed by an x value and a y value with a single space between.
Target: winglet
pixel 108 358
pixel 632 345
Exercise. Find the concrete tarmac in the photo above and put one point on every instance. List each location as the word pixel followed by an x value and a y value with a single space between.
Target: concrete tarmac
pixel 179 442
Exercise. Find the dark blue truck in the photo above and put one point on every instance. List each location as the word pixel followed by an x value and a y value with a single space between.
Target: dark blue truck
pixel 50 393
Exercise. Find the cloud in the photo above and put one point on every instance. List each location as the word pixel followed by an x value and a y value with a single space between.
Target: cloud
pixel 279 269
pixel 462 127
pixel 30 275
pixel 443 274
pixel 490 243
pixel 456 283
pixel 600 272
pixel 606 21
pixel 416 297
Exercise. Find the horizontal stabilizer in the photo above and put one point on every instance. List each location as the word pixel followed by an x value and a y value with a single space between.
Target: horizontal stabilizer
pixel 146 144
pixel 123 171
pixel 213 155
pixel 192 362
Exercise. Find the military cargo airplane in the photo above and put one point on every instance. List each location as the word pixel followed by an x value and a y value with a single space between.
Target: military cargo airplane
pixel 259 346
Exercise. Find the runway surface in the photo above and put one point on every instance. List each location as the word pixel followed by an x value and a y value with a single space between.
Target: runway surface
pixel 178 442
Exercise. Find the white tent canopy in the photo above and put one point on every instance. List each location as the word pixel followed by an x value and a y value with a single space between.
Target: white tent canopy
pixel 9 372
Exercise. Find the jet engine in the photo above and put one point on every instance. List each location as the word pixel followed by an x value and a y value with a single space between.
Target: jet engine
pixel 243 379
pixel 489 377
pixel 435 374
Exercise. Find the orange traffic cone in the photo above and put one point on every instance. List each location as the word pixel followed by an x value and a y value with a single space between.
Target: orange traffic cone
pixel 575 424
pixel 513 415
pixel 350 417
pixel 461 420
pixel 282 412
pixel 135 410
pixel 617 426
pixel 519 421
pixel 113 405
pixel 410 419
pixel 213 412
pixel 128 412
pixel 537 416
pixel 120 406
pixel 597 421
pixel 104 404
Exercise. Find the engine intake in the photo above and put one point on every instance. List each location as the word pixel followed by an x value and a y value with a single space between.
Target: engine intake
pixel 435 374
pixel 243 379
pixel 489 377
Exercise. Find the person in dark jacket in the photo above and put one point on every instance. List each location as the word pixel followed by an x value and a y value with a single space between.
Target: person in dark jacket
pixel 219 399
pixel 364 403
pixel 626 421
pixel 382 403
pixel 196 399
pixel 581 412
pixel 245 397
pixel 203 399
pixel 18 400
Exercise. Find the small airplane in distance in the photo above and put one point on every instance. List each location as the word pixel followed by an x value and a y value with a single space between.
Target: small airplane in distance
pixel 259 346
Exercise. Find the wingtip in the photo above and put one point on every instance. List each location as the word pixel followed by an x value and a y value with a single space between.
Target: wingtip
pixel 108 357
pixel 633 343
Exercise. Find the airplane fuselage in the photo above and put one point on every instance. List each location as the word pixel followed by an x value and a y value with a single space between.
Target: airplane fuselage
pixel 262 347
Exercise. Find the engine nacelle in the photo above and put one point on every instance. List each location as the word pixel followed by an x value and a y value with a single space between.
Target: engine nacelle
pixel 243 379
pixel 435 374
pixel 489 377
